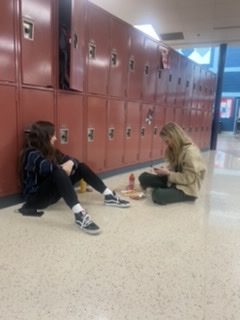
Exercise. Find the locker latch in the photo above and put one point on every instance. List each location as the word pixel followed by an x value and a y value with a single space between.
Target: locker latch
pixel 114 58
pixel 128 132
pixel 155 130
pixel 146 69
pixel 90 133
pixel 142 132
pixel 111 133
pixel 91 50
pixel 64 135
pixel 28 29
pixel 131 64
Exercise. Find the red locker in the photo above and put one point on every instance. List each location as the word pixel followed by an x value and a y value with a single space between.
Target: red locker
pixel 135 64
pixel 115 134
pixel 36 105
pixel 173 78
pixel 8 141
pixel 98 35
pixel 146 132
pixel 96 133
pixel 162 80
pixel 7 37
pixel 119 58
pixel 157 143
pixel 70 124
pixel 179 116
pixel 132 133
pixel 151 66
pixel 37 42
pixel 169 114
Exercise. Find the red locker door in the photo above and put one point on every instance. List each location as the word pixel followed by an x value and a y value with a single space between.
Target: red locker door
pixel 119 56
pixel 179 116
pixel 151 66
pixel 158 121
pixel 162 86
pixel 7 37
pixel 147 113
pixel 77 52
pixel 96 133
pixel 132 133
pixel 70 124
pixel 169 114
pixel 173 78
pixel 36 105
pixel 98 30
pixel 37 42
pixel 135 64
pixel 115 134
pixel 8 142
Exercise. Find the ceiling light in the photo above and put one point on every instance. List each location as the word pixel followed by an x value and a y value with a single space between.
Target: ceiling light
pixel 149 30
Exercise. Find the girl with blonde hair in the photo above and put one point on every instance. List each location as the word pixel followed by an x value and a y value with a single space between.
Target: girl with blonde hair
pixel 181 180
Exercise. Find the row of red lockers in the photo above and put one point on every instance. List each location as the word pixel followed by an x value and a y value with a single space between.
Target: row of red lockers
pixel 128 63
pixel 106 124
pixel 107 134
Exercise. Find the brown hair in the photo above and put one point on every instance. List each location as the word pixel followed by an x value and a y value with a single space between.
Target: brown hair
pixel 178 139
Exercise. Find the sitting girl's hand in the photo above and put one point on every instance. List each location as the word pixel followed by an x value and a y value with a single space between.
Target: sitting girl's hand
pixel 162 171
pixel 67 167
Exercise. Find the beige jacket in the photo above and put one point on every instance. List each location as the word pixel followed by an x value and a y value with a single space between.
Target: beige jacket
pixel 190 172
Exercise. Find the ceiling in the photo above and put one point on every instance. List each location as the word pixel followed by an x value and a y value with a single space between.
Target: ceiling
pixel 203 23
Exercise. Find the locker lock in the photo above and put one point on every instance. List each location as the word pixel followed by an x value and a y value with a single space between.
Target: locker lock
pixel 128 132
pixel 142 132
pixel 64 135
pixel 114 58
pixel 90 133
pixel 131 64
pixel 111 133
pixel 146 69
pixel 91 50
pixel 28 29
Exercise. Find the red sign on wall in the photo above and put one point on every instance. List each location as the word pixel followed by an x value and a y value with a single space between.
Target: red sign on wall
pixel 226 108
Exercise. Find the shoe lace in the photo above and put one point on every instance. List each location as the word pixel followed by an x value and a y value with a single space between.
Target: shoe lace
pixel 86 221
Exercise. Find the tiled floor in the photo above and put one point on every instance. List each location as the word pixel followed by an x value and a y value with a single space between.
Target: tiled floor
pixel 176 262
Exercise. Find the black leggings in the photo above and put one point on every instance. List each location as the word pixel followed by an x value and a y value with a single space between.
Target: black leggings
pixel 161 193
pixel 59 185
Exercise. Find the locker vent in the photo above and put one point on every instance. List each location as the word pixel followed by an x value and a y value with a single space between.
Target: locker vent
pixel 172 36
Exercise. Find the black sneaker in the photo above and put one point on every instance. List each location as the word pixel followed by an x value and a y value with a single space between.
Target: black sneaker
pixel 85 223
pixel 115 201
pixel 30 212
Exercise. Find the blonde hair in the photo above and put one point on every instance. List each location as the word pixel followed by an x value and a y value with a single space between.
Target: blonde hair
pixel 178 139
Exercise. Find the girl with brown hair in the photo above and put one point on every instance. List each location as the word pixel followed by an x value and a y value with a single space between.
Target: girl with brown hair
pixel 48 175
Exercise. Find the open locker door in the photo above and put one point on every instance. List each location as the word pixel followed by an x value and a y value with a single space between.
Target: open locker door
pixel 77 45
pixel 71 44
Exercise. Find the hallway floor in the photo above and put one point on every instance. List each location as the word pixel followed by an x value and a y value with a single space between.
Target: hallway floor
pixel 176 262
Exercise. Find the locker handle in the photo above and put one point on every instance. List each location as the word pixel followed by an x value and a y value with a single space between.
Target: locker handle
pixel 142 132
pixel 155 130
pixel 28 29
pixel 90 134
pixel 91 51
pixel 111 133
pixel 128 132
pixel 64 135
pixel 75 40
pixel 146 69
pixel 114 58
pixel 131 64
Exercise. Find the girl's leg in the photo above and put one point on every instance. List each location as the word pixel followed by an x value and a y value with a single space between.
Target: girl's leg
pixel 149 180
pixel 57 185
pixel 169 195
pixel 84 172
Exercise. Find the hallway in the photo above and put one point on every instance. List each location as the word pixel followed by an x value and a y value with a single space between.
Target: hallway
pixel 176 262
